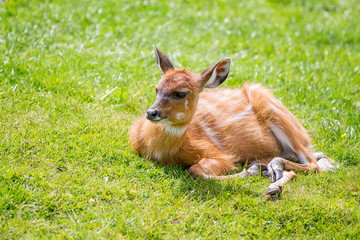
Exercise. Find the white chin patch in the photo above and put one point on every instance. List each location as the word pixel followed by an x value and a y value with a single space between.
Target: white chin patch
pixel 175 131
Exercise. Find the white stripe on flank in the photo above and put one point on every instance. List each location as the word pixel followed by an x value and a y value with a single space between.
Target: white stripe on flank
pixel 275 109
pixel 282 138
pixel 241 115
pixel 210 133
pixel 275 101
pixel 252 87
pixel 302 158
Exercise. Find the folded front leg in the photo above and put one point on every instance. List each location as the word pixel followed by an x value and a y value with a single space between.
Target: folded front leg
pixel 254 170
pixel 275 189
pixel 208 168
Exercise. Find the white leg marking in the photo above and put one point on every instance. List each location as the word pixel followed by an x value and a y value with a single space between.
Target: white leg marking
pixel 253 170
pixel 324 164
pixel 317 155
pixel 206 176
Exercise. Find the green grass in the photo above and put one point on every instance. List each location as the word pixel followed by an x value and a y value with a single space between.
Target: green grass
pixel 74 75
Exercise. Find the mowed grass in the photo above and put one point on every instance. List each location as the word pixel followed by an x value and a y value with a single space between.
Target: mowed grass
pixel 74 75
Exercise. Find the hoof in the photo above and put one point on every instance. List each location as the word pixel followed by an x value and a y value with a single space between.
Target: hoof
pixel 273 193
pixel 266 173
pixel 275 168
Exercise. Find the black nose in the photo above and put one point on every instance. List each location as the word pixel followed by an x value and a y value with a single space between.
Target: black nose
pixel 151 114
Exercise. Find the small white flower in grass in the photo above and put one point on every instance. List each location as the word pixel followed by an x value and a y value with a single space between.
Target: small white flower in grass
pixel 106 179
pixel 91 200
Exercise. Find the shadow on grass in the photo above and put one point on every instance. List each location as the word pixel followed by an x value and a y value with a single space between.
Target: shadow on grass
pixel 209 189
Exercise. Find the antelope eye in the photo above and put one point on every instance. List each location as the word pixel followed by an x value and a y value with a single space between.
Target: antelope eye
pixel 179 95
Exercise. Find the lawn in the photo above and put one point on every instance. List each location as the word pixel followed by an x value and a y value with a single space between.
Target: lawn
pixel 74 75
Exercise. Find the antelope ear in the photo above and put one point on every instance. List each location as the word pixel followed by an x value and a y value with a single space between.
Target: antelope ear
pixel 216 74
pixel 163 62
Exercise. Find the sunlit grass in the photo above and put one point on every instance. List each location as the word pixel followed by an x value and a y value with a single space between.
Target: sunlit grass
pixel 74 75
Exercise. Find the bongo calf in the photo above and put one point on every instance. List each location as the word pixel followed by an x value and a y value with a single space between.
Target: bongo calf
pixel 213 131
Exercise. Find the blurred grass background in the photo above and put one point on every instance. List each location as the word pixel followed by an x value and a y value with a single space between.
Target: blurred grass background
pixel 74 75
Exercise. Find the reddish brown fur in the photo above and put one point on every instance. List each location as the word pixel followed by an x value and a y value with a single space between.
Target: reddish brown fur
pixel 223 127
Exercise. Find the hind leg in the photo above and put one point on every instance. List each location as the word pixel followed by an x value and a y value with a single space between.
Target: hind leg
pixel 256 168
pixel 281 172
pixel 279 176
pixel 278 165
pixel 325 163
